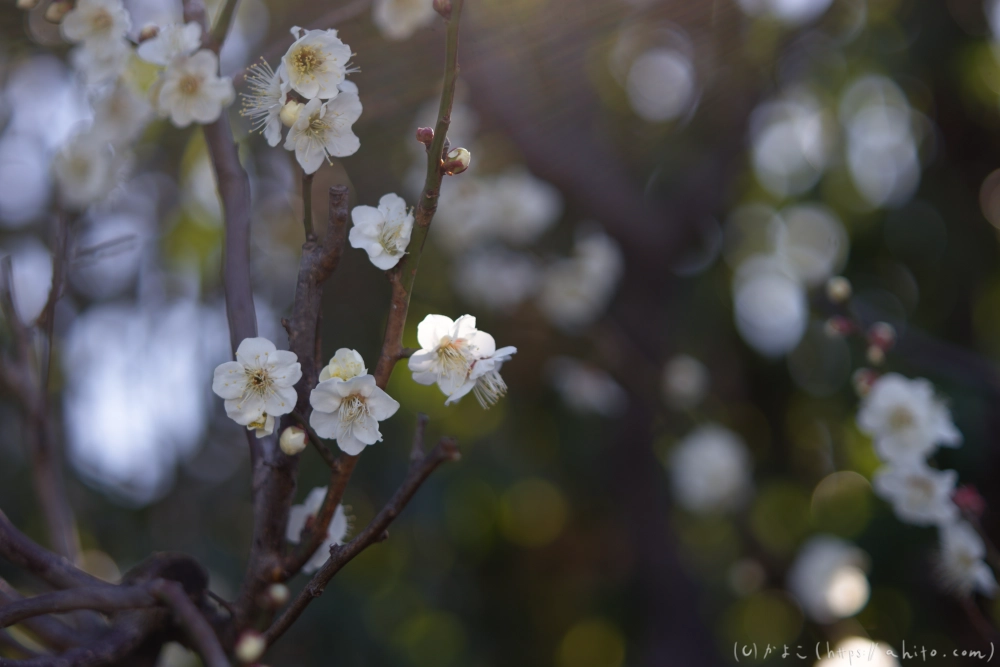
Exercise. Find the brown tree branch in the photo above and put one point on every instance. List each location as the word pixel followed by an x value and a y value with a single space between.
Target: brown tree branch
pixel 191 619
pixel 419 470
pixel 97 598
pixel 51 632
pixel 21 551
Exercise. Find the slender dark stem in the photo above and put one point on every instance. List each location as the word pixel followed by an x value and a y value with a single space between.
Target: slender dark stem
pixel 222 23
pixel 191 619
pixel 307 205
pixel 97 598
pixel 50 631
pixel 21 551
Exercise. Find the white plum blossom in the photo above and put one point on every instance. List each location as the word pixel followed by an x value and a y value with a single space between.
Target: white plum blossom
pixel 828 579
pixel 496 277
pixel 349 411
pixel 488 387
pixel 316 63
pixel 455 355
pixel 919 494
pixel 323 130
pixel 265 100
pixel 576 291
pixel 685 382
pixel 769 306
pixel 344 365
pixel 710 470
pixel 960 565
pixel 86 169
pixel 172 41
pixel 523 207
pixel 259 384
pixel 382 232
pixel 101 66
pixel 299 516
pixel 399 19
pixel 120 115
pixel 192 91
pixel 905 419
pixel 99 24
pixel 263 426
pixel 585 388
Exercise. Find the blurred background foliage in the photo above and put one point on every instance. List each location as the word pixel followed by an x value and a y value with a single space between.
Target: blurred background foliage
pixel 683 129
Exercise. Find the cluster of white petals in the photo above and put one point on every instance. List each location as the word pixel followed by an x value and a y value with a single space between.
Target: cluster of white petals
pixel 348 405
pixel 710 470
pixel 299 517
pixel 259 385
pixel 310 94
pixel 399 19
pixel 460 359
pixel 576 291
pixel 907 423
pixel 382 232
pixel 828 579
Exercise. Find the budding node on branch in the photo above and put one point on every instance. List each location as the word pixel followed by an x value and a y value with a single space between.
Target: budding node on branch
pixel 457 161
pixel 443 7
pixel 882 335
pixel 250 647
pixel 57 10
pixel 149 31
pixel 839 326
pixel 290 113
pixel 278 595
pixel 425 135
pixel 27 4
pixel 863 379
pixel 838 289
pixel 292 441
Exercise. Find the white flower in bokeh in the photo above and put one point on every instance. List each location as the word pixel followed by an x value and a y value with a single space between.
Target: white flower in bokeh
pixel 172 41
pixel 905 419
pixel 791 142
pixel 192 91
pixel 522 207
pixel 811 240
pixel 576 291
pixel 585 388
pixel 261 382
pixel 300 515
pixel 263 104
pixel 770 307
pixel 97 23
pixel 828 579
pixel 120 115
pixel 960 565
pixel 852 651
pixel 790 12
pixel 101 66
pixel 710 470
pixel 344 365
pixel 919 494
pixel 86 169
pixel 399 19
pixel 316 63
pixel 349 412
pixel 685 382
pixel 661 85
pixel 323 131
pixel 382 232
pixel 449 352
pixel 496 277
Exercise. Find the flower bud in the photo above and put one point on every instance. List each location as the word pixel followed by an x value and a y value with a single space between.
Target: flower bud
pixel 290 112
pixel 250 647
pixel 876 355
pixel 457 162
pixel 839 326
pixel 27 4
pixel 278 595
pixel 969 500
pixel 425 135
pixel 57 10
pixel 149 31
pixel 443 7
pixel 838 289
pixel 292 441
pixel 882 335
pixel 863 379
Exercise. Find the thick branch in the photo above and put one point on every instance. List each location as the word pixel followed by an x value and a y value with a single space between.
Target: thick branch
pixel 21 551
pixel 191 619
pixel 98 598
pixel 49 631
pixel 420 469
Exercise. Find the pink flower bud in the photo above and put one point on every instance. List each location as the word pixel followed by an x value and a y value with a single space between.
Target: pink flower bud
pixel 425 135
pixel 969 500
pixel 882 335
pixel 863 379
pixel 443 7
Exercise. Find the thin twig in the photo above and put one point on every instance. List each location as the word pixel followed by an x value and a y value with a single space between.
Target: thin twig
pixel 419 471
pixel 21 551
pixel 307 205
pixel 191 619
pixel 222 23
pixel 50 631
pixel 97 598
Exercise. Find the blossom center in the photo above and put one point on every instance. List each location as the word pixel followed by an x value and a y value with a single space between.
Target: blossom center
pixel 451 355
pixel 352 409
pixel 101 20
pixel 388 238
pixel 901 418
pixel 190 84
pixel 921 490
pixel 258 381
pixel 307 61
pixel 489 389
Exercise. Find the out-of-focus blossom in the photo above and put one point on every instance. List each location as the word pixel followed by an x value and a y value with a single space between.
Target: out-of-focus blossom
pixel 905 419
pixel 828 579
pixel 192 91
pixel 919 494
pixel 399 19
pixel 99 24
pixel 101 66
pixel 853 650
pixel 790 12
pixel 576 291
pixel 300 515
pixel 265 101
pixel 86 169
pixel 382 232
pixel 323 130
pixel 812 240
pixel 770 307
pixel 316 63
pixel 25 179
pixel 685 382
pixel 496 277
pixel 349 411
pixel 791 140
pixel 120 115
pixel 585 388
pixel 344 365
pixel 260 383
pixel 31 271
pixel 710 470
pixel 522 207
pixel 960 565
pixel 661 85
pixel 172 41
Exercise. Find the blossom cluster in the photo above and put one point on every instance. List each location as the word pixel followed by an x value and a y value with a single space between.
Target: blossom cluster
pixel 309 93
pixel 908 423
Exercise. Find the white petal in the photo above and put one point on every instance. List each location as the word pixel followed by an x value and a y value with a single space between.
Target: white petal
pixel 252 351
pixel 229 380
pixel 326 424
pixel 325 397
pixel 381 405
pixel 281 402
pixel 349 444
pixel 432 329
pixel 244 411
